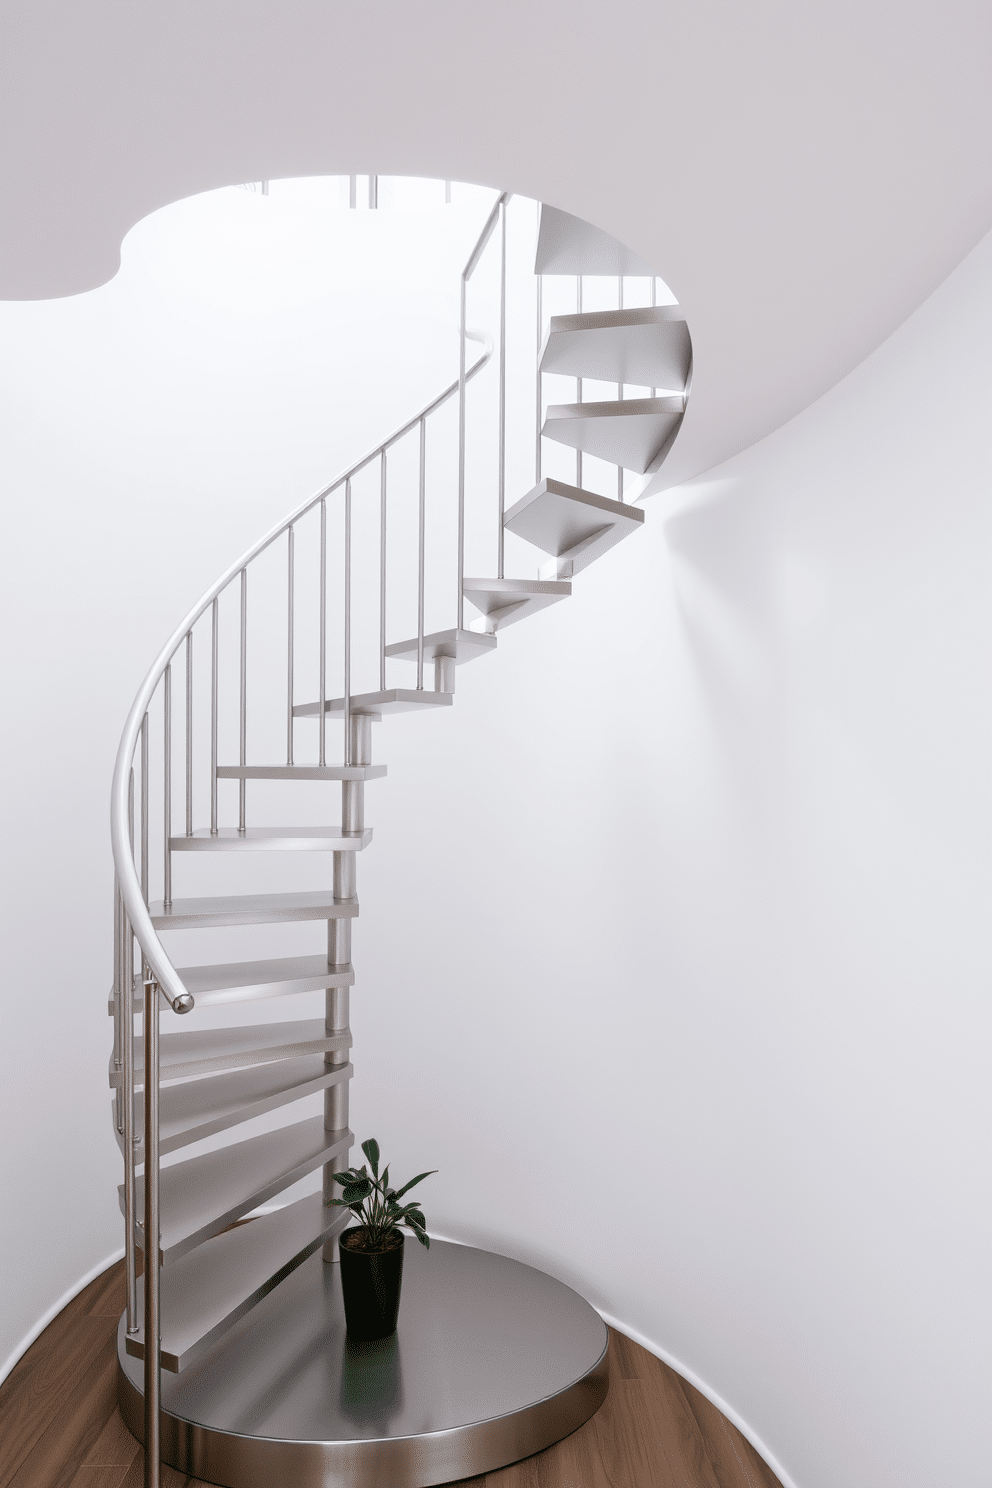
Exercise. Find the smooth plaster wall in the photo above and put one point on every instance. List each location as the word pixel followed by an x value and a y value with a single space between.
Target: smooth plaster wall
pixel 674 950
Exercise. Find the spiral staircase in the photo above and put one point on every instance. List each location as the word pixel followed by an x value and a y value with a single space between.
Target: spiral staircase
pixel 222 1284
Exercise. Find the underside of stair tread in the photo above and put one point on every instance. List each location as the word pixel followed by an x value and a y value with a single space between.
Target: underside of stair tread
pixel 567 245
pixel 502 602
pixel 460 645
pixel 219 910
pixel 204 1051
pixel 273 839
pixel 629 432
pixel 200 1108
pixel 203 1195
pixel 571 523
pixel 393 700
pixel 647 348
pixel 205 1293
pixel 301 772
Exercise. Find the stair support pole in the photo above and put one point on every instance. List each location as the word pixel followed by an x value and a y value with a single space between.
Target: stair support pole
pixel 153 1354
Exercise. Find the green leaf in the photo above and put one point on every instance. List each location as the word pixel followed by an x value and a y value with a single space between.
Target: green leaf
pixel 419 1179
pixel 371 1150
pixel 384 1180
pixel 356 1191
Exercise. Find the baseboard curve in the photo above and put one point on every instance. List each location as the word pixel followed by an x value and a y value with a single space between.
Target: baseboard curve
pixel 35 1332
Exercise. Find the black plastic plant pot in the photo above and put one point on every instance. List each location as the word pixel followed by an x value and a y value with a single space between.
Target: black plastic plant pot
pixel 370 1281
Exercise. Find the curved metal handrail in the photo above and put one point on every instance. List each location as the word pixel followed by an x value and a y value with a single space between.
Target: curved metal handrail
pixel 120 834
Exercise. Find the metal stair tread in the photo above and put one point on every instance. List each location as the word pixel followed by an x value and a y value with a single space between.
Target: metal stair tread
pixel 504 601
pixel 630 432
pixel 571 523
pixel 301 772
pixel 207 1291
pixel 203 1051
pixel 203 1195
pixel 218 910
pixel 568 245
pixel 460 645
pixel 393 700
pixel 196 1109
pixel 647 347
pixel 273 839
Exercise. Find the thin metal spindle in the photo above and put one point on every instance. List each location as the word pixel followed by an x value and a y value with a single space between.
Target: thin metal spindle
pixel 167 788
pixel 654 301
pixel 373 192
pixel 321 719
pixel 619 388
pixel 461 480
pixel 118 1005
pixel 243 718
pixel 130 811
pixel 189 733
pixel 578 380
pixel 347 622
pixel 214 684
pixel 144 808
pixel 382 572
pixel 290 591
pixel 353 191
pixel 130 1136
pixel 539 382
pixel 420 544
pixel 502 383
pixel 152 1279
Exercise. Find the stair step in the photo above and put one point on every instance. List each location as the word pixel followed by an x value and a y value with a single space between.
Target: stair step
pixel 206 1194
pixel 205 1293
pixel 204 1051
pixel 200 1108
pixel 505 601
pixel 301 772
pixel 218 910
pixel 631 432
pixel 648 347
pixel 393 700
pixel 273 839
pixel 248 981
pixel 460 645
pixel 576 527
pixel 567 245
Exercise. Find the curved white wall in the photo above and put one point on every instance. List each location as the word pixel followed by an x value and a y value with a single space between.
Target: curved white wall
pixel 673 942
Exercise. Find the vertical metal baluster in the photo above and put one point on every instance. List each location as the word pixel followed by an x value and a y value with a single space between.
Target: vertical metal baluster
pixel 131 1138
pixel 373 192
pixel 382 572
pixel 167 788
pixel 353 191
pixel 144 808
pixel 420 543
pixel 447 192
pixel 243 718
pixel 130 811
pixel 502 384
pixel 321 719
pixel 654 301
pixel 619 388
pixel 460 622
pixel 189 733
pixel 290 591
pixel 118 1007
pixel 578 380
pixel 214 685
pixel 347 622
pixel 539 383
pixel 153 1330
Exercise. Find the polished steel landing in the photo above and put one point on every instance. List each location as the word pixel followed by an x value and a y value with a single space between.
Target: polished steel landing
pixel 492 1361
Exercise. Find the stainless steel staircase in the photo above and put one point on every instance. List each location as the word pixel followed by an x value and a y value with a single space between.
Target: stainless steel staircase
pixel 175 1089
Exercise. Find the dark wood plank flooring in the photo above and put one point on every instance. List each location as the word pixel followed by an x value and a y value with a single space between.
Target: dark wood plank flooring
pixel 60 1427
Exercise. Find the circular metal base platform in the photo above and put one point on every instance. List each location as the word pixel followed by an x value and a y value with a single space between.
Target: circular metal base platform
pixel 492 1361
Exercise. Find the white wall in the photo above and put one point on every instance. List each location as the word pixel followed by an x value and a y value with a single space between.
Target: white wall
pixel 672 947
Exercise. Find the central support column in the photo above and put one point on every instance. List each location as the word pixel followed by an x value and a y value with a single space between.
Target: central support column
pixel 337 1000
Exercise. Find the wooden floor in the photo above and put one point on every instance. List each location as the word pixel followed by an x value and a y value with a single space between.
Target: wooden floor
pixel 60 1427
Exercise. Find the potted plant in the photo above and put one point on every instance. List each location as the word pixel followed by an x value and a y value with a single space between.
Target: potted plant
pixel 371 1252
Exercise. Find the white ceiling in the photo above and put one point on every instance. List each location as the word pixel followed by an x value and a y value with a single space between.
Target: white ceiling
pixel 802 175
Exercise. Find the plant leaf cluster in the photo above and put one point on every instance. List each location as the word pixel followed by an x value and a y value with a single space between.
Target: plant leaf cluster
pixel 375 1205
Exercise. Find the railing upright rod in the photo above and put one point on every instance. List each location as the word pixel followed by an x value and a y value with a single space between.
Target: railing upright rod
pixel 290 592
pixel 539 385
pixel 214 721
pixel 578 381
pixel 321 719
pixel 347 622
pixel 167 787
pixel 619 389
pixel 243 704
pixel 152 1279
pixel 144 808
pixel 373 192
pixel 461 466
pixel 130 1136
pixel 353 191
pixel 654 301
pixel 189 733
pixel 118 1005
pixel 382 572
pixel 420 540
pixel 502 384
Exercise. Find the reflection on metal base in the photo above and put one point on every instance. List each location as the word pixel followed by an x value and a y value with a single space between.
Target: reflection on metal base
pixel 492 1361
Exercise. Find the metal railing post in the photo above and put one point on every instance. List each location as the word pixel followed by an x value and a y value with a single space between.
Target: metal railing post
pixel 619 388
pixel 189 733
pixel 347 622
pixel 214 685
pixel 243 704
pixel 461 470
pixel 131 1138
pixel 153 1331
pixel 144 808
pixel 290 591
pixel 321 717
pixel 539 384
pixel 420 544
pixel 578 381
pixel 167 788
pixel 502 386
pixel 382 572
